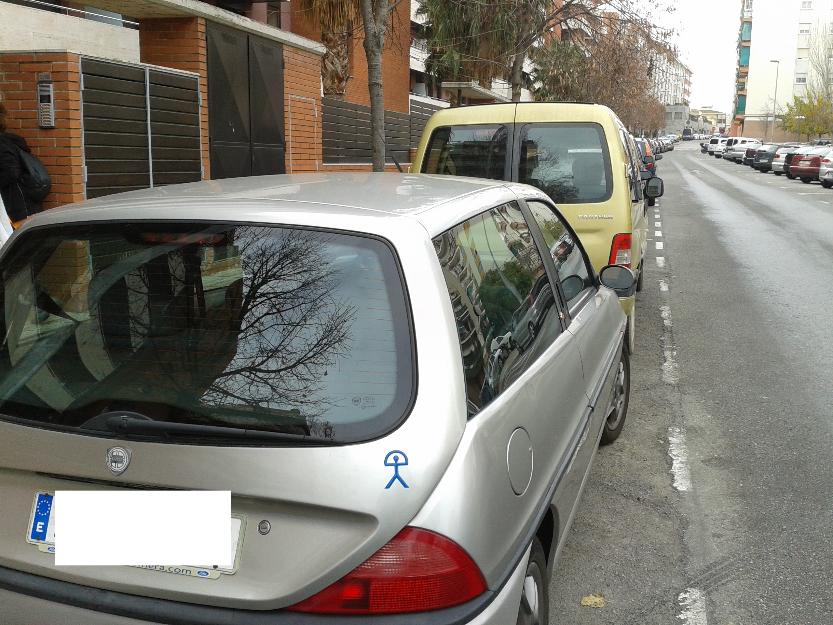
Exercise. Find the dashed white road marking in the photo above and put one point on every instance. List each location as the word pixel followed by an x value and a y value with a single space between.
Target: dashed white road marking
pixel 663 286
pixel 692 604
pixel 813 193
pixel 678 451
pixel 665 312
pixel 824 202
pixel 657 233
pixel 660 261
pixel 657 224
pixel 660 245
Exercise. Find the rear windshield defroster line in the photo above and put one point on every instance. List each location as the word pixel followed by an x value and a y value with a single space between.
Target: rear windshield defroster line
pixel 271 329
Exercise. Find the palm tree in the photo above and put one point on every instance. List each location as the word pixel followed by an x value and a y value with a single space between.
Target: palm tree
pixel 336 19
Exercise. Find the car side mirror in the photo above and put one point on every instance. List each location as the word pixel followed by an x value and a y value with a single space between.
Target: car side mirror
pixel 654 188
pixel 572 286
pixel 619 279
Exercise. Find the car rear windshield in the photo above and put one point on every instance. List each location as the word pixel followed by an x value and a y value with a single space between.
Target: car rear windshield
pixel 272 329
pixel 477 151
pixel 567 161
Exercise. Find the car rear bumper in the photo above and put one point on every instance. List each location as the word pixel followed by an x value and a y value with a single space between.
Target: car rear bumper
pixel 804 172
pixel 777 166
pixel 89 606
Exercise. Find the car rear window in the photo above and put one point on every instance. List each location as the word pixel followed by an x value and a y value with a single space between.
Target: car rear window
pixel 272 329
pixel 567 161
pixel 477 150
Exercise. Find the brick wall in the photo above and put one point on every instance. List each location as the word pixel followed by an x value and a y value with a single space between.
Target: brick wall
pixel 302 110
pixel 396 64
pixel 179 43
pixel 59 148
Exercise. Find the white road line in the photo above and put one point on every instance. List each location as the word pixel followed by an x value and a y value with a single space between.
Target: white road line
pixel 665 312
pixel 692 604
pixel 663 286
pixel 814 193
pixel 677 450
pixel 657 233
pixel 660 245
pixel 657 224
pixel 660 261
pixel 824 202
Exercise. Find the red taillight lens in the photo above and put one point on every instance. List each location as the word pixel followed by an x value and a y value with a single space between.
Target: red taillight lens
pixel 826 161
pixel 620 251
pixel 416 571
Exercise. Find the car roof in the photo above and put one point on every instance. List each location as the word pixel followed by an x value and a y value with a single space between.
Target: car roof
pixel 321 200
pixel 505 113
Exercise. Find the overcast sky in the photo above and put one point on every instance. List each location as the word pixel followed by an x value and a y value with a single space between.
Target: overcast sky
pixel 707 35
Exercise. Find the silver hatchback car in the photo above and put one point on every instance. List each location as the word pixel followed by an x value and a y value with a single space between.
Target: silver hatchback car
pixel 401 379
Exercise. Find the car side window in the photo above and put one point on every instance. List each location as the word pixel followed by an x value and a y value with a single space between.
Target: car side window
pixel 503 301
pixel 570 262
pixel 633 167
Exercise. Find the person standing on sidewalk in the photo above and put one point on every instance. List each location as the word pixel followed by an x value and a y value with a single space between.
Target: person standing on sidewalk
pixel 18 205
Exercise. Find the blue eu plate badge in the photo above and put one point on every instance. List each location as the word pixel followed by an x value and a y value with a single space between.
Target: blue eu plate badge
pixel 41 529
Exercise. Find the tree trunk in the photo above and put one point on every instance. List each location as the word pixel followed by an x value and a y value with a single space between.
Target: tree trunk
pixel 335 65
pixel 516 76
pixel 375 18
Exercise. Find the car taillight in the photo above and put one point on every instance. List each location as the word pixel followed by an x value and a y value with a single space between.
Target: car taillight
pixel 620 251
pixel 416 571
pixel 826 160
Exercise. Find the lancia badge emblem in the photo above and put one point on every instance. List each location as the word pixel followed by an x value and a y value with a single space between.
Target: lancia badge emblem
pixel 118 458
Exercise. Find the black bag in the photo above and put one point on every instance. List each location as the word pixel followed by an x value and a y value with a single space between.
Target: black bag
pixel 34 180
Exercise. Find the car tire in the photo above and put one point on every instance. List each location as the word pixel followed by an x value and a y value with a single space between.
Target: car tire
pixel 806 180
pixel 790 176
pixel 826 184
pixel 615 420
pixel 534 608
pixel 778 173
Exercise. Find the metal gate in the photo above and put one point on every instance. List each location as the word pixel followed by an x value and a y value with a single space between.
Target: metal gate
pixel 245 103
pixel 141 127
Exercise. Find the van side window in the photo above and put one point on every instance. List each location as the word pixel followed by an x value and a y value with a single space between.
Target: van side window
pixel 502 298
pixel 573 268
pixel 567 161
pixel 478 151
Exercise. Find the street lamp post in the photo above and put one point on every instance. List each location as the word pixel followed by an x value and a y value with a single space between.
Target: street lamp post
pixel 775 99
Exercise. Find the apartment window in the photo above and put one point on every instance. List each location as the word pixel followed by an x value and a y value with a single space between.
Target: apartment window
pixel 804 29
pixel 746 32
pixel 801 79
pixel 744 57
pixel 806 5
pixel 747 5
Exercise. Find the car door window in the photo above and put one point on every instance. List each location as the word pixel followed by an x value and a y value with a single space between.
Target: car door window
pixel 573 269
pixel 503 301
pixel 567 161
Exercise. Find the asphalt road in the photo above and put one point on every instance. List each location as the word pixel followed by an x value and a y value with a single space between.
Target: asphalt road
pixel 715 507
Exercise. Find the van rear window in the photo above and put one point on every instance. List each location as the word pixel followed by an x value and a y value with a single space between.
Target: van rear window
pixel 567 161
pixel 279 330
pixel 477 151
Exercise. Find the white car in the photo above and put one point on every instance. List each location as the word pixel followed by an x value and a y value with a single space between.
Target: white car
pixel 826 170
pixel 719 148
pixel 737 151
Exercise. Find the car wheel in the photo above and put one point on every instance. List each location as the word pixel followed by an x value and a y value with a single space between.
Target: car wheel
pixel 790 176
pixel 615 421
pixel 535 595
pixel 778 173
pixel 826 184
pixel 806 180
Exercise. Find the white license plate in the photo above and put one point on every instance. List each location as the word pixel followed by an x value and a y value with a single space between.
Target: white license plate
pixel 41 533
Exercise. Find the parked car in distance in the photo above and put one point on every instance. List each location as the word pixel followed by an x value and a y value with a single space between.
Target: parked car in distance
pixel 720 147
pixel 712 144
pixel 795 155
pixel 580 155
pixel 205 353
pixel 762 158
pixel 751 151
pixel 806 166
pixel 779 158
pixel 826 170
pixel 736 148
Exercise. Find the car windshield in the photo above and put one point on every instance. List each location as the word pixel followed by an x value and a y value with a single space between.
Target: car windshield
pixel 242 326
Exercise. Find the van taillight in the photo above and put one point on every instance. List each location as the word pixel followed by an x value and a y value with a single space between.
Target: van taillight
pixel 620 251
pixel 416 571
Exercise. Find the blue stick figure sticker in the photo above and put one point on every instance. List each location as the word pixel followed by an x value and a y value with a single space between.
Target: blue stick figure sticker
pixel 396 459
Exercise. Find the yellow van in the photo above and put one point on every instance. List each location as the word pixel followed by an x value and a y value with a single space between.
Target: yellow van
pixel 581 155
